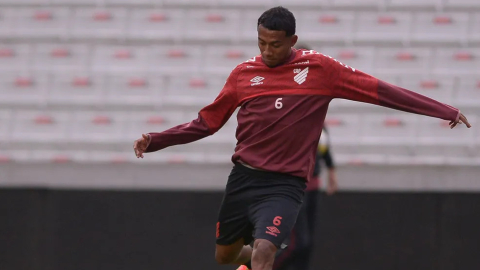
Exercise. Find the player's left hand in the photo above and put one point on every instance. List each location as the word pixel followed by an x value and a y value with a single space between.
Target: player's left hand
pixel 461 119
pixel 332 184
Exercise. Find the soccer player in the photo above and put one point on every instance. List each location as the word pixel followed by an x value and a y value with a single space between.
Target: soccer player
pixel 283 95
pixel 298 253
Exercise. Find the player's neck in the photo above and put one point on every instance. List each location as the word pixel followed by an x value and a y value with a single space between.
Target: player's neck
pixel 287 59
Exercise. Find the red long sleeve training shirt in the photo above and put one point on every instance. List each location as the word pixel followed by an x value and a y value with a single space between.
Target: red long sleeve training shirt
pixel 282 109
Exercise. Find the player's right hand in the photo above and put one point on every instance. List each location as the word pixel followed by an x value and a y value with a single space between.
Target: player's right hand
pixel 140 145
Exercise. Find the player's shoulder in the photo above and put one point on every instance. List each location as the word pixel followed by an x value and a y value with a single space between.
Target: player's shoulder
pixel 314 57
pixel 308 56
pixel 254 61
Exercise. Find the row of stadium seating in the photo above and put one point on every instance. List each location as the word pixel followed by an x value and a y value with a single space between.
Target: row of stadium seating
pixel 394 135
pixel 143 90
pixel 344 4
pixel 218 59
pixel 228 25
pixel 81 79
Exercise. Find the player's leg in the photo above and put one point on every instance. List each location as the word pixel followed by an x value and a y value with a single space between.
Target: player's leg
pixel 298 242
pixel 274 218
pixel 234 230
pixel 263 254
pixel 236 253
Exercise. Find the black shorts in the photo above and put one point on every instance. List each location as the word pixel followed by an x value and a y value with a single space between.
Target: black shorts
pixel 259 205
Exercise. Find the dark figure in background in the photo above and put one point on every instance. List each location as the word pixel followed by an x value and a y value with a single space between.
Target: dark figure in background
pixel 297 255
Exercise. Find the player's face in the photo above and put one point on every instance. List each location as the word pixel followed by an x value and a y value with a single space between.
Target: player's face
pixel 274 46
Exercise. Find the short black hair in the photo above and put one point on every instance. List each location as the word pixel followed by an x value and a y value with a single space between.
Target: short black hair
pixel 278 19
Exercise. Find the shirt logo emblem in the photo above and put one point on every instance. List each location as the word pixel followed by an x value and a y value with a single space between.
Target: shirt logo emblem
pixel 257 80
pixel 301 77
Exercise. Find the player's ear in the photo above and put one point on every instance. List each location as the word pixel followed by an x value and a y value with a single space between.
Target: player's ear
pixel 294 40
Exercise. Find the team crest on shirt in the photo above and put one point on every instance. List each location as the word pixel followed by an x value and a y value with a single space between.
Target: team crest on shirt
pixel 301 76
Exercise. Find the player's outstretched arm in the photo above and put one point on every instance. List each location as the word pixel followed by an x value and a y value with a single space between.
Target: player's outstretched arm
pixel 210 120
pixel 352 84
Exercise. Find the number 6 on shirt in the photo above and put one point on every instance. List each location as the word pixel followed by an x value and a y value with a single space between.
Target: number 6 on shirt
pixel 278 103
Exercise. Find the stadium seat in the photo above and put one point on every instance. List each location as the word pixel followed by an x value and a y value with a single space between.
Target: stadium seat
pixel 77 2
pixel 467 92
pixel 91 127
pixel 39 126
pixel 247 3
pixel 414 5
pixel 248 30
pixel 223 59
pixel 462 4
pixel 360 58
pixel 344 128
pixel 437 131
pixel 6 22
pixel 315 26
pixel 157 121
pixel 14 57
pixel 5 121
pixel 61 57
pixel 156 24
pixel 22 89
pixel 76 89
pixel 120 59
pixel 42 23
pixel 99 23
pixel 212 25
pixel 364 4
pixel 438 88
pixel 181 59
pixel 388 134
pixel 304 3
pixel 436 28
pixel 456 61
pixel 188 3
pixel 402 60
pixel 435 138
pixel 390 27
pixel 25 2
pixel 474 34
pixel 193 90
pixel 128 2
pixel 134 89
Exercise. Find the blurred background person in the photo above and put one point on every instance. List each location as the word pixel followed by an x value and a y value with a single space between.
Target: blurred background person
pixel 297 255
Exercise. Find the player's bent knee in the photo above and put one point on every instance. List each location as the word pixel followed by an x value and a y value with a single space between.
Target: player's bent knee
pixel 225 256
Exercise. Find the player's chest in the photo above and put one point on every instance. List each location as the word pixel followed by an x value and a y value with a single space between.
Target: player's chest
pixel 255 80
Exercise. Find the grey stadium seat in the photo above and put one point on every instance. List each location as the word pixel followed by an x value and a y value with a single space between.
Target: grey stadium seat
pixel 15 57
pixel 23 88
pixel 440 27
pixel 120 59
pixel 324 26
pixel 99 23
pixel 383 27
pixel 134 89
pixel 61 57
pixel 402 60
pixel 180 59
pixel 212 25
pixel 76 89
pixel 156 24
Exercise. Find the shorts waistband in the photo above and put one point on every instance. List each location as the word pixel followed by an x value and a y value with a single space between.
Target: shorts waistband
pixel 263 173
